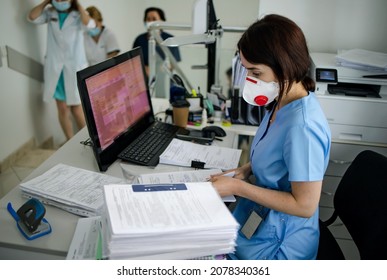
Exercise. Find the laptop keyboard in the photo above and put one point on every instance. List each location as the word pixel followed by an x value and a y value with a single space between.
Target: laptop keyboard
pixel 146 149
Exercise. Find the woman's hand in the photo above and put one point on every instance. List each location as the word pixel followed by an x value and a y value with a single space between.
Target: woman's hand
pixel 241 173
pixel 225 185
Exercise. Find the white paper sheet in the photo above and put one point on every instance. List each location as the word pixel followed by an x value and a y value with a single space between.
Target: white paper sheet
pixel 161 212
pixel 71 187
pixel 363 59
pixel 201 175
pixel 164 223
pixel 86 240
pixel 182 153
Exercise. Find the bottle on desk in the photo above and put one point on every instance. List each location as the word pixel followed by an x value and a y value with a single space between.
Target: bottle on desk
pixel 204 117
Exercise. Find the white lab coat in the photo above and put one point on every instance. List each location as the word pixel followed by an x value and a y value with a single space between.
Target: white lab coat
pixel 65 50
pixel 98 52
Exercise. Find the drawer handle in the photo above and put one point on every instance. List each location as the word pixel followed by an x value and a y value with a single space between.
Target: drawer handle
pixel 351 136
pixel 337 161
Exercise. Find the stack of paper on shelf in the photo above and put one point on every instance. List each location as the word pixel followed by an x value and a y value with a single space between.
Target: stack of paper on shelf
pixel 184 153
pixel 72 189
pixel 363 60
pixel 167 221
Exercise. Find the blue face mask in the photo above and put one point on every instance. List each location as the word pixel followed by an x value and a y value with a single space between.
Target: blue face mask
pixel 61 6
pixel 93 32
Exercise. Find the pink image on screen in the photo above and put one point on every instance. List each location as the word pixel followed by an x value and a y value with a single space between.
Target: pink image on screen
pixel 118 98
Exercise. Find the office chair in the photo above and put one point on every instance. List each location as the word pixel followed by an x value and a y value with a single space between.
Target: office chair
pixel 328 248
pixel 360 201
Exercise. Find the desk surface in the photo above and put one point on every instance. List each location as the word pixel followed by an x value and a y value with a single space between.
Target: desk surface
pixel 55 245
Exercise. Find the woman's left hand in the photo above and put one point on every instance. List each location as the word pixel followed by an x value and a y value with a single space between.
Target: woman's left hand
pixel 224 185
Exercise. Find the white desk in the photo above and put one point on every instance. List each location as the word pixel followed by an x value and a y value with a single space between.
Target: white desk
pixel 55 245
pixel 234 129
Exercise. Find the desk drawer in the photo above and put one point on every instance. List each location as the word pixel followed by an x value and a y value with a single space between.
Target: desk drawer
pixel 358 133
pixel 355 111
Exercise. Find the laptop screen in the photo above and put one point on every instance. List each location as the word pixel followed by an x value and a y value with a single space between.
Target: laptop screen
pixel 116 104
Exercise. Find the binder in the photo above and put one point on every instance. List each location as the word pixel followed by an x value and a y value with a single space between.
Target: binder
pixel 241 111
pixel 244 113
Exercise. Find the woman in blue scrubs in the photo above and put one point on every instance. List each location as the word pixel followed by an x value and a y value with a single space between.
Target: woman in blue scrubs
pixel 278 214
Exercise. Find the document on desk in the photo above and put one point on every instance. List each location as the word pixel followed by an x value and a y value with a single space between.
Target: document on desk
pixel 184 153
pixel 72 189
pixel 164 221
pixel 87 240
pixel 201 175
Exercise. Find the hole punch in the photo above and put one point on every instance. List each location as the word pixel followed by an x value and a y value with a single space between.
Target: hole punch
pixel 30 219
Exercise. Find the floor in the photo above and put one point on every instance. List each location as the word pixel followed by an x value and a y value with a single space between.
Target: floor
pixel 11 177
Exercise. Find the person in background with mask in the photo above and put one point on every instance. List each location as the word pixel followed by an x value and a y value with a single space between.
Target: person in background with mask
pixel 100 42
pixel 278 214
pixel 65 55
pixel 156 14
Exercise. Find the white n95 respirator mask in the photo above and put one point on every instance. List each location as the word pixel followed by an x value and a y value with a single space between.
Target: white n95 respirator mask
pixel 259 93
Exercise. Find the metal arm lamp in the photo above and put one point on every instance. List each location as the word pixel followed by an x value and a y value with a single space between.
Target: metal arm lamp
pixel 207 38
pixel 156 38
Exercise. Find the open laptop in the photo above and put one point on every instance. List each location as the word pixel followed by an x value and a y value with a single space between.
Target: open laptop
pixel 118 110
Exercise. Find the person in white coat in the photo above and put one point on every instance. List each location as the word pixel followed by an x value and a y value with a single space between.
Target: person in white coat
pixel 100 42
pixel 67 21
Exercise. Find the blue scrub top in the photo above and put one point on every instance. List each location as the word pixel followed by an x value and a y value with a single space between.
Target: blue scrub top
pixel 295 147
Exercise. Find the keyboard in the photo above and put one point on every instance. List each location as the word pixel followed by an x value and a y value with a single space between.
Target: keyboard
pixel 146 149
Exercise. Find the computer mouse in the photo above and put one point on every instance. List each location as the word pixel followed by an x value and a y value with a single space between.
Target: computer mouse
pixel 208 130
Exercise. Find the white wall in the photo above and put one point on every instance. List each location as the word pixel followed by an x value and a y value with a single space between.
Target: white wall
pixel 328 25
pixel 22 114
pixel 331 25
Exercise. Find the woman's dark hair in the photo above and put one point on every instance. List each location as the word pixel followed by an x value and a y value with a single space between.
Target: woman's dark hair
pixel 157 10
pixel 279 43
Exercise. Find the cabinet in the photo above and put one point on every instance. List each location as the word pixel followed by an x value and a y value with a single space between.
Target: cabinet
pixel 357 124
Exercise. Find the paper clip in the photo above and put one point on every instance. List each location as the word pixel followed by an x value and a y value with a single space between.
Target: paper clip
pixel 197 164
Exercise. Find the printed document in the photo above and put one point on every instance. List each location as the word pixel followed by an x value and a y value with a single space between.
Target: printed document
pixel 72 189
pixel 87 240
pixel 201 175
pixel 183 153
pixel 178 221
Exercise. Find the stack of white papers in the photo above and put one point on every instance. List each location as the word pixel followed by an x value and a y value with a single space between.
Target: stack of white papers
pixel 176 221
pixel 184 153
pixel 201 175
pixel 363 60
pixel 72 189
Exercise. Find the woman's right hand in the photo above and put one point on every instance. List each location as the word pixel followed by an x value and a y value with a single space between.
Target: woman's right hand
pixel 241 173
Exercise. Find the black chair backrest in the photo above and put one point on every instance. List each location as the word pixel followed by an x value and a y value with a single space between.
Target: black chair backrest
pixel 328 248
pixel 361 203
